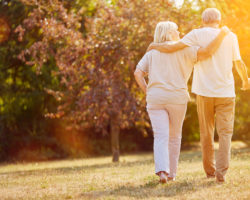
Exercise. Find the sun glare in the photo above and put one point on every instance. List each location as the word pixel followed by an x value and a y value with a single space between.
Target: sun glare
pixel 179 3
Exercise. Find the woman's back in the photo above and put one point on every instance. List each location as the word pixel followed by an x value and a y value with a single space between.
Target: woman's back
pixel 168 75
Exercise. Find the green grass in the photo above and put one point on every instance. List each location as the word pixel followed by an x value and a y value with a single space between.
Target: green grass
pixel 132 178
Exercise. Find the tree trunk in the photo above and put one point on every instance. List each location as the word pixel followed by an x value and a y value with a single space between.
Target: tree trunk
pixel 115 130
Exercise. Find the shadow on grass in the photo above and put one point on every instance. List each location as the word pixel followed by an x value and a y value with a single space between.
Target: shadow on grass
pixel 187 156
pixel 80 168
pixel 152 189
pixel 190 156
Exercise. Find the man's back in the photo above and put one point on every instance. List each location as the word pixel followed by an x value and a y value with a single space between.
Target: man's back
pixel 213 77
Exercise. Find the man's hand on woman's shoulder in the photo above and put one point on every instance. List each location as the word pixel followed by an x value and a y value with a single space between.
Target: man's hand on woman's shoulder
pixel 151 46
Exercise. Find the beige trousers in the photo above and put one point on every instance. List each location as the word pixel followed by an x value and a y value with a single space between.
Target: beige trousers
pixel 219 111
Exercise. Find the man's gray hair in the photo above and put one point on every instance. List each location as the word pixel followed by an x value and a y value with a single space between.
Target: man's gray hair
pixel 211 15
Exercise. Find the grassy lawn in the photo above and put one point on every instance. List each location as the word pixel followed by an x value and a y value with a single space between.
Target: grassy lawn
pixel 132 178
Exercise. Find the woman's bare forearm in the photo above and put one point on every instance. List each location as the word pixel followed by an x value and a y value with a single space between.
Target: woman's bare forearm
pixel 139 77
pixel 142 83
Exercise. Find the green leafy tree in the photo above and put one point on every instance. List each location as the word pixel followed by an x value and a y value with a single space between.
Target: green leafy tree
pixel 23 100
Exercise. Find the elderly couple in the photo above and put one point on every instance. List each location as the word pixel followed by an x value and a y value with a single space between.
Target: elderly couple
pixel 169 62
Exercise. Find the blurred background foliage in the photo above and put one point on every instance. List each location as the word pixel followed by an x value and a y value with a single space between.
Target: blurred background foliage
pixel 116 34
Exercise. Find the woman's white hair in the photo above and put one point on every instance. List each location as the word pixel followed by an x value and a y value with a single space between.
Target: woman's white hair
pixel 162 31
pixel 211 15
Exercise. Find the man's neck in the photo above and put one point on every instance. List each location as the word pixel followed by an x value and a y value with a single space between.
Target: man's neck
pixel 212 25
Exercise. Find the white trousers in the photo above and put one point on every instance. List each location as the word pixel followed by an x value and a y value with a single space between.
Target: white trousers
pixel 167 121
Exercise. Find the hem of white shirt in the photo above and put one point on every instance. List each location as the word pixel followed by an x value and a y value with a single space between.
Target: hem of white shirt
pixel 217 96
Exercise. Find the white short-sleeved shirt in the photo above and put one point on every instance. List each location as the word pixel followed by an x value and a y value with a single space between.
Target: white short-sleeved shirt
pixel 213 77
pixel 168 74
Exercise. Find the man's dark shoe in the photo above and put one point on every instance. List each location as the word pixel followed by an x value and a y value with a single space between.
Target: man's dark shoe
pixel 210 176
pixel 220 179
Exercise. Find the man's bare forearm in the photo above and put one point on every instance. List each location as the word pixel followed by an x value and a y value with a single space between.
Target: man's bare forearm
pixel 247 86
pixel 209 50
pixel 242 70
pixel 167 48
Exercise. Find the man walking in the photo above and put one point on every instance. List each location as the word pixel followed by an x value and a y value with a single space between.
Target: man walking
pixel 213 83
